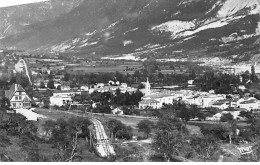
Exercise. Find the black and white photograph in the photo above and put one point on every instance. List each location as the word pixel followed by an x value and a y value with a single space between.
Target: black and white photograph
pixel 130 81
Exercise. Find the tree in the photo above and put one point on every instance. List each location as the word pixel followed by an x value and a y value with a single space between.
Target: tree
pixel 16 124
pixel 137 76
pixel 255 126
pixel 65 136
pixel 226 117
pixel 29 145
pixel 125 133
pixel 205 146
pixel 141 86
pixel 5 103
pixel 102 108
pixel 160 76
pixel 4 139
pixel 119 98
pixel 119 130
pixel 184 112
pixel 253 76
pixel 230 130
pixel 193 74
pixel 66 77
pixel 23 80
pixel 50 84
pixel 246 114
pixel 169 143
pixel 42 85
pixel 145 126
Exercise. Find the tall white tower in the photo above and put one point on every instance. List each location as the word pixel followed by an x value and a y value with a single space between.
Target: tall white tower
pixel 147 87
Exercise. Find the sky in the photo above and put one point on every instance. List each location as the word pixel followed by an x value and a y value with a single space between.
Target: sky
pixel 7 3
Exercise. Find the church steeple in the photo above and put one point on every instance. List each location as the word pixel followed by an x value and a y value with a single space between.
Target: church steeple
pixel 147 87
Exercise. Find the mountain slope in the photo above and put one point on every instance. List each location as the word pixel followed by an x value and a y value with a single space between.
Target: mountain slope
pixel 155 27
pixel 15 18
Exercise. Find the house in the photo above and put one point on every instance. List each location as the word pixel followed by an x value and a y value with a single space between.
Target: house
pixel 190 82
pixel 60 100
pixel 117 111
pixel 65 86
pixel 100 85
pixel 56 84
pixel 18 97
pixel 149 103
pixel 84 88
pixel 70 93
pixel 196 100
pixel 222 104
pixel 210 99
pixel 249 104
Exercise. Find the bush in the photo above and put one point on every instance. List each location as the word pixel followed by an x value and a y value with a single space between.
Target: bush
pixel 226 117
pixel 125 133
pixel 145 126
pixel 214 130
pixel 119 130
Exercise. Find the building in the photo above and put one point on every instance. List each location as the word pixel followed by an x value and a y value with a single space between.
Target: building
pixel 249 104
pixel 222 104
pixel 60 98
pixel 117 111
pixel 65 86
pixel 70 93
pixel 18 97
pixel 147 88
pixel 150 103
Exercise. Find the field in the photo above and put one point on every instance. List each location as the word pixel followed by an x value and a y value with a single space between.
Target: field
pixel 102 69
pixel 129 121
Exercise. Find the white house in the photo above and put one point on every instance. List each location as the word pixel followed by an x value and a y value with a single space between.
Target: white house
pixel 208 100
pixel 150 103
pixel 65 86
pixel 84 88
pixel 249 104
pixel 65 93
pixel 100 85
pixel 124 85
pixel 117 111
pixel 60 100
pixel 56 84
pixel 190 82
pixel 18 97
pixel 221 104
pixel 196 100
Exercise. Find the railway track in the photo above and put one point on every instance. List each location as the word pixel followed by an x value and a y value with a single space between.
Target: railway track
pixel 103 145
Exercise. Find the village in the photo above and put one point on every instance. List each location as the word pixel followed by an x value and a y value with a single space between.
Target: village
pixel 39 89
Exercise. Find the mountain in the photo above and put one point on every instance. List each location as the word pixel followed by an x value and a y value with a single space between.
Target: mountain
pixel 14 19
pixel 161 28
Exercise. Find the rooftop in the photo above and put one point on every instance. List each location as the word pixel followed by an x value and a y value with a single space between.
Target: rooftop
pixel 147 101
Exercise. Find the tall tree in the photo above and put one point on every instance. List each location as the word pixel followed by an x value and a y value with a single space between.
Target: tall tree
pixel 145 126
pixel 42 85
pixel 50 84
pixel 253 75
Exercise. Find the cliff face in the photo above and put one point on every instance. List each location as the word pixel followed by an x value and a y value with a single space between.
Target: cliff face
pixel 139 27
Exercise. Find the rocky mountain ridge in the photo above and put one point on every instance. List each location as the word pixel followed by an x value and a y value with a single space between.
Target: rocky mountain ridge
pixel 148 27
